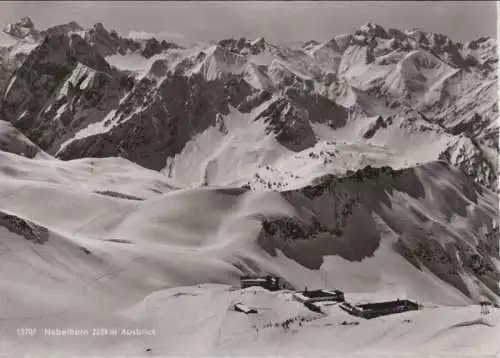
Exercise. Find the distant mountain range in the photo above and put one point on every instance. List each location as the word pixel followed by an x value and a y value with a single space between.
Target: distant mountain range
pixel 89 92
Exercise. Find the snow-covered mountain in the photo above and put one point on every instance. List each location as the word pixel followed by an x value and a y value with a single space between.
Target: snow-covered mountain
pixel 132 167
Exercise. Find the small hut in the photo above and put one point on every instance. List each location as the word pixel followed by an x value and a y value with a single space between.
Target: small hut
pixel 240 307
pixel 319 296
pixel 271 283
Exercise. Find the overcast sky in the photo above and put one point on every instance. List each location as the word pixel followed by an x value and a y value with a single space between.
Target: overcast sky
pixel 277 21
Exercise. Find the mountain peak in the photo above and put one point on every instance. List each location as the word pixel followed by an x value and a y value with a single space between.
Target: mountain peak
pixel 74 25
pixel 372 27
pixel 414 29
pixel 99 27
pixel 243 45
pixel 26 22
pixel 372 30
pixel 259 41
pixel 68 28
pixel 22 28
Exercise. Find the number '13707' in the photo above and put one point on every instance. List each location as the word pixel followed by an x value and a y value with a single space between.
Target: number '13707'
pixel 26 331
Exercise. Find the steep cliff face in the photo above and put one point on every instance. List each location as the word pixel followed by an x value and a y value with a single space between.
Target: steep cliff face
pixel 33 91
pixel 156 119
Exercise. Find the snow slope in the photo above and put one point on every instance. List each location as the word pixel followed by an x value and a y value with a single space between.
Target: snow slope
pixel 93 175
pixel 214 231
pixel 113 260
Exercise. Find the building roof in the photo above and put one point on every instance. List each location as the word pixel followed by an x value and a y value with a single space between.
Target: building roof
pixel 319 293
pixel 244 308
pixel 256 279
pixel 385 305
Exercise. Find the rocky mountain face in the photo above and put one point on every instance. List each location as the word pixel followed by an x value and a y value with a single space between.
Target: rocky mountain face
pixel 40 76
pixel 71 101
pixel 21 38
pixel 155 120
pixel 399 208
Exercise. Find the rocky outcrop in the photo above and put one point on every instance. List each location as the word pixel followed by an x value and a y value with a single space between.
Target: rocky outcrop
pixel 118 195
pixel 30 231
pixel 291 116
